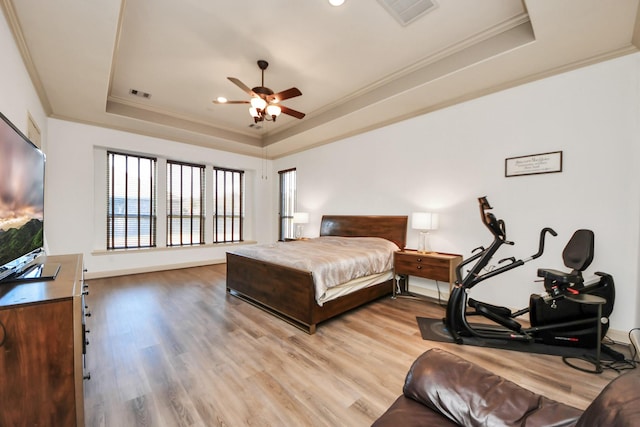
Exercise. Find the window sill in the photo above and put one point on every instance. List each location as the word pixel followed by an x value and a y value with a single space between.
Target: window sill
pixel 98 252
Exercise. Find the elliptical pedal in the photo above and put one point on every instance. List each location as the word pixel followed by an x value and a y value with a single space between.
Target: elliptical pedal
pixel 507 322
pixel 500 311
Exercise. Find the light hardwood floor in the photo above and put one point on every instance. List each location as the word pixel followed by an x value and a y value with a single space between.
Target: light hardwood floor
pixel 173 349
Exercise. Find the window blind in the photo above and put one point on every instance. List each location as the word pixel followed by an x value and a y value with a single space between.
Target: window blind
pixel 131 201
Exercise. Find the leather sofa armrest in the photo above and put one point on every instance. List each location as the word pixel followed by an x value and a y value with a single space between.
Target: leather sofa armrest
pixel 618 404
pixel 470 395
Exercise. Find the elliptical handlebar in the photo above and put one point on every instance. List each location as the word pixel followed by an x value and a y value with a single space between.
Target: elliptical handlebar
pixel 498 229
pixel 495 226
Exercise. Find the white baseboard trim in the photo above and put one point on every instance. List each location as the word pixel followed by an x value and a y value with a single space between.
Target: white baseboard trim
pixel 432 292
pixel 149 269
pixel 635 339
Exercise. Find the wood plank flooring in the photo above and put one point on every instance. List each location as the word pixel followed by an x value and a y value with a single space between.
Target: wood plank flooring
pixel 174 349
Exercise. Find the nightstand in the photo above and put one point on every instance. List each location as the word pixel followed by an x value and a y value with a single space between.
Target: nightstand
pixel 434 265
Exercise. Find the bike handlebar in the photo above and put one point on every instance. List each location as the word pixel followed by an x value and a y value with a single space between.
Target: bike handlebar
pixel 543 232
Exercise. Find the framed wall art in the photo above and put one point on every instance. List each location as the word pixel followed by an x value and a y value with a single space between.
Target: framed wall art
pixel 533 164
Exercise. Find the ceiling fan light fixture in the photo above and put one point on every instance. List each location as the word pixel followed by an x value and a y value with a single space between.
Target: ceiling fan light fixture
pixel 264 102
pixel 336 2
pixel 274 110
pixel 221 99
pixel 258 103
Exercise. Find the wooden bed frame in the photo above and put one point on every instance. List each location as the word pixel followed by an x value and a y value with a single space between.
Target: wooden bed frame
pixel 290 293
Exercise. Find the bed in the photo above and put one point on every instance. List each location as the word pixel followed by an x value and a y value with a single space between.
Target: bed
pixel 290 293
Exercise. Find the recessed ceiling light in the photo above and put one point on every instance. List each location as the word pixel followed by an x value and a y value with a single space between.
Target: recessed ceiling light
pixel 221 99
pixel 336 2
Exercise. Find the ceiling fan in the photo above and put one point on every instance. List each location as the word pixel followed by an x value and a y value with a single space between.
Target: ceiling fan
pixel 265 105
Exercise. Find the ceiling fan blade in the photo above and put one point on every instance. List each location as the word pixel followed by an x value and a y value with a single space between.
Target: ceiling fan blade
pixel 285 94
pixel 293 113
pixel 215 101
pixel 242 86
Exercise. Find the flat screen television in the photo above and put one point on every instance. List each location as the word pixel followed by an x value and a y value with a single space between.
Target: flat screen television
pixel 21 207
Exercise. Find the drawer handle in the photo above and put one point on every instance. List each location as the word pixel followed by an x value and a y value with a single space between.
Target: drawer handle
pixel 419 267
pixel 419 260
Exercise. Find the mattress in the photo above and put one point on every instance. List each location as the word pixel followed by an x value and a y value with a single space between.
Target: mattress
pixel 339 265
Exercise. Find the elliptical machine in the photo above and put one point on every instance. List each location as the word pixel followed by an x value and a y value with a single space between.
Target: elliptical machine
pixel 554 318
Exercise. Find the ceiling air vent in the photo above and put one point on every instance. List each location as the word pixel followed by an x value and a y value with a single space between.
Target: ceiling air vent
pixel 407 11
pixel 140 93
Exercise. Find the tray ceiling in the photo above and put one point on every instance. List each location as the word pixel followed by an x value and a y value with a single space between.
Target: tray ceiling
pixel 357 66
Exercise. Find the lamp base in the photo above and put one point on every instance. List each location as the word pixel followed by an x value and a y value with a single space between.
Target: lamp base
pixel 424 245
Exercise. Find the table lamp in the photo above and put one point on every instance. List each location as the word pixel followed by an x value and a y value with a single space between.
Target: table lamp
pixel 299 219
pixel 425 222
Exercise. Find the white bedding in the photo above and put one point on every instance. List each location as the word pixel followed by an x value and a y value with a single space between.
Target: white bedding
pixel 332 260
pixel 355 285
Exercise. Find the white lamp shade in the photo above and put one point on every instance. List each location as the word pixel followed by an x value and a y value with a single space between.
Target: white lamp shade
pixel 424 221
pixel 300 217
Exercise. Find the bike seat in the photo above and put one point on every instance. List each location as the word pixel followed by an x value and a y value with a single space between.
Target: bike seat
pixel 560 276
pixel 577 255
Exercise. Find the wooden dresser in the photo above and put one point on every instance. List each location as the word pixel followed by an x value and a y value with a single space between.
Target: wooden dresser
pixel 42 345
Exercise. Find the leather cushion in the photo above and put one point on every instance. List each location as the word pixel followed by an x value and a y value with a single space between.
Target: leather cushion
pixel 406 412
pixel 470 395
pixel 617 405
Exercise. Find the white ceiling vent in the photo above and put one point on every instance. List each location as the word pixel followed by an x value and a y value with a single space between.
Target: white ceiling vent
pixel 141 94
pixel 407 11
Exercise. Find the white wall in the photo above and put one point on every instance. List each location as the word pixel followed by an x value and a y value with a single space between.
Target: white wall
pixel 74 222
pixel 17 94
pixel 76 183
pixel 444 160
pixel 18 97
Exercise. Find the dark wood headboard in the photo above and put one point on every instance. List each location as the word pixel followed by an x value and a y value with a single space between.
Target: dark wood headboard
pixel 392 228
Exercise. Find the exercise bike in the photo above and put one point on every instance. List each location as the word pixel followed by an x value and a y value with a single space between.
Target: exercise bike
pixel 555 317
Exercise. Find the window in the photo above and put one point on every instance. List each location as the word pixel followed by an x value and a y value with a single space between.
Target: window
pixel 185 204
pixel 131 204
pixel 287 203
pixel 228 205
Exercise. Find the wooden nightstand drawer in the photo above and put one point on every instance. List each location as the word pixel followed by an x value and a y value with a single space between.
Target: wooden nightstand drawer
pixel 423 267
pixel 433 266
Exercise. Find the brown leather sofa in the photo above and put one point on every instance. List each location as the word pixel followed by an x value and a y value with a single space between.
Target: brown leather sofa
pixel 442 389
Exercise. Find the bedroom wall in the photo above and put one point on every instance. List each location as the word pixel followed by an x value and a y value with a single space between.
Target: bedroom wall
pixel 18 97
pixel 77 181
pixel 75 194
pixel 444 160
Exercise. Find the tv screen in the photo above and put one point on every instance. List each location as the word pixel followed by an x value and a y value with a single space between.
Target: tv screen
pixel 21 202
